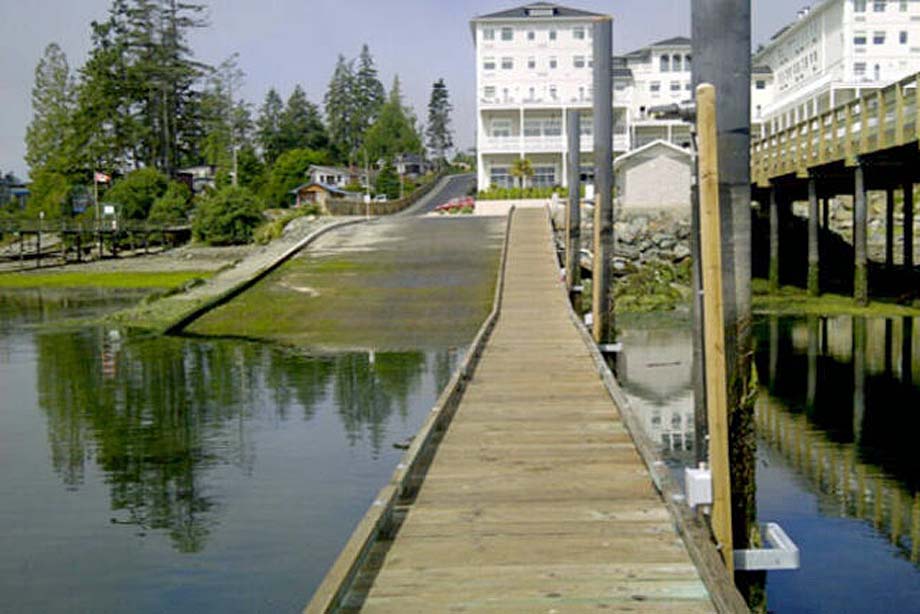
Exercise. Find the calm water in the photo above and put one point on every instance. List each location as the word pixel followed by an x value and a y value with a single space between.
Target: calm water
pixel 142 474
pixel 838 417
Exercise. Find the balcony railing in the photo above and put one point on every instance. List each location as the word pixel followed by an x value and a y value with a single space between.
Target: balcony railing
pixel 543 144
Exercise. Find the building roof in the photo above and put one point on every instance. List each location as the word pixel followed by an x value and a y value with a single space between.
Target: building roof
pixel 761 70
pixel 659 143
pixel 333 170
pixel 538 10
pixel 802 16
pixel 325 186
pixel 674 41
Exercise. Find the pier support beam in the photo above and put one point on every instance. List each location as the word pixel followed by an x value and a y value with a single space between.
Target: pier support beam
pixel 573 212
pixel 889 228
pixel 859 375
pixel 603 324
pixel 860 220
pixel 825 214
pixel 813 251
pixel 908 226
pixel 774 240
pixel 907 350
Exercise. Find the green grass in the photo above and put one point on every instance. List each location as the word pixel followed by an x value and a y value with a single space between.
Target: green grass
pixel 133 280
pixel 790 300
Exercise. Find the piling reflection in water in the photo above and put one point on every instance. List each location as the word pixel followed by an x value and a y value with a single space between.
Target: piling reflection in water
pixel 842 411
pixel 156 415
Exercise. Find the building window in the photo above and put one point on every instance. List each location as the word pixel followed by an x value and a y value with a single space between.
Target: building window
pixel 903 6
pixel 878 6
pixel 552 92
pixel 578 33
pixel 675 63
pixel 761 85
pixel 859 6
pixel 578 61
pixel 531 63
pixel 687 63
pixel 675 86
pixel 878 72
pixel 500 177
pixel 552 35
pixel 552 127
pixel 586 126
pixel 902 37
pixel 488 63
pixel 665 63
pixel 501 128
pixel 488 91
pixel 687 86
pixel 531 35
pixel 878 38
pixel 533 127
pixel 859 38
pixel 655 87
pixel 532 94
pixel 544 176
pixel 859 69
pixel 553 63
pixel 507 34
pixel 488 34
pixel 507 63
pixel 581 93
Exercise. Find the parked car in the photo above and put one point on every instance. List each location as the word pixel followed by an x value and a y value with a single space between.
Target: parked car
pixel 380 198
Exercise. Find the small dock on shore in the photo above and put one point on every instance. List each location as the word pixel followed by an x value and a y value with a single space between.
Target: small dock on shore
pixel 524 492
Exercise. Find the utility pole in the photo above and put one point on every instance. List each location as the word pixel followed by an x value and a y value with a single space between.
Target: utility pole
pixel 603 324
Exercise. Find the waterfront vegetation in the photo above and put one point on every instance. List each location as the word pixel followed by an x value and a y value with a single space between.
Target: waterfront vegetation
pixel 101 279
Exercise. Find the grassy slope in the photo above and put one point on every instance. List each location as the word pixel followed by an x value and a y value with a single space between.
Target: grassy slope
pixel 70 279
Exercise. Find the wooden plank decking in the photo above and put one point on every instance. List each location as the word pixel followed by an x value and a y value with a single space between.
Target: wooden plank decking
pixel 536 500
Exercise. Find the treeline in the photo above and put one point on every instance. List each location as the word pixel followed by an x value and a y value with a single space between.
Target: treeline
pixel 142 107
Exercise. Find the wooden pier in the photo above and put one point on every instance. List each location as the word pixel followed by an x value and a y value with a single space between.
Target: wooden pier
pixel 536 498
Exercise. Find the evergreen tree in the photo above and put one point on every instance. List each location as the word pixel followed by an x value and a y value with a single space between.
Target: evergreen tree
pixel 341 114
pixel 268 126
pixel 438 130
pixel 52 112
pixel 394 131
pixel 387 180
pixel 369 94
pixel 300 125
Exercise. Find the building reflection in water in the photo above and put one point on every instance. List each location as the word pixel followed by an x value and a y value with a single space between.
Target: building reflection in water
pixel 841 409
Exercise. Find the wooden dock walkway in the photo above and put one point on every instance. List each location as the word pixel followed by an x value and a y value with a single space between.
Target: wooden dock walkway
pixel 536 499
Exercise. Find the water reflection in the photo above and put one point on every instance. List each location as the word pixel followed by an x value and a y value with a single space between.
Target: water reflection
pixel 156 415
pixel 655 370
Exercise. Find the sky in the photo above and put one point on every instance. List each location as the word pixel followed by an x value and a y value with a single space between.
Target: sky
pixel 282 43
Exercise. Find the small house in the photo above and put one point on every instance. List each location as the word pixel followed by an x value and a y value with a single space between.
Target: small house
pixel 337 176
pixel 316 193
pixel 411 165
pixel 198 178
pixel 655 176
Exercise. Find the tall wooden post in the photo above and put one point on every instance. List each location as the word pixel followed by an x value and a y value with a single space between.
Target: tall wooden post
pixel 889 228
pixel 861 262
pixel 714 331
pixel 813 250
pixel 774 239
pixel 573 212
pixel 908 225
pixel 603 179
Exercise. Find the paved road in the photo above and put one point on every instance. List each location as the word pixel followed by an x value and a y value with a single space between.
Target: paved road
pixel 456 186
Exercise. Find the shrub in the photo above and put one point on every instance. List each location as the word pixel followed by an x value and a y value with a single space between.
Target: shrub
pixel 388 181
pixel 497 193
pixel 173 207
pixel 136 193
pixel 269 231
pixel 228 216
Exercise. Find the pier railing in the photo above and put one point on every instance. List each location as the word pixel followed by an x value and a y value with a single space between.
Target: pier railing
pixel 877 120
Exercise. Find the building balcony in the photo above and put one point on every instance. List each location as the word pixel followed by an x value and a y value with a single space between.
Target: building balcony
pixel 543 144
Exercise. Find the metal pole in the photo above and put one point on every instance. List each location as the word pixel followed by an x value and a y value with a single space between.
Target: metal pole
pixel 860 264
pixel 603 179
pixel 573 212
pixel 814 286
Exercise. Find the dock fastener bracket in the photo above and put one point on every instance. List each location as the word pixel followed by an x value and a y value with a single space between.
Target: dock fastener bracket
pixel 782 553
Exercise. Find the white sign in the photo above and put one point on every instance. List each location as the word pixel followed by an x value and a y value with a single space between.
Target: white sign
pixel 108 210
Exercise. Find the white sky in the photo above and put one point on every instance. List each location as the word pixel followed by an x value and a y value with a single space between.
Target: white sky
pixel 285 42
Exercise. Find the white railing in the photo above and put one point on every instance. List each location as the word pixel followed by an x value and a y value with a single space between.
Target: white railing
pixel 543 144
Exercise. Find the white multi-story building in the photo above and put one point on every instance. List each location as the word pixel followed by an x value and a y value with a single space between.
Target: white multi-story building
pixel 830 54
pixel 535 62
pixel 532 64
